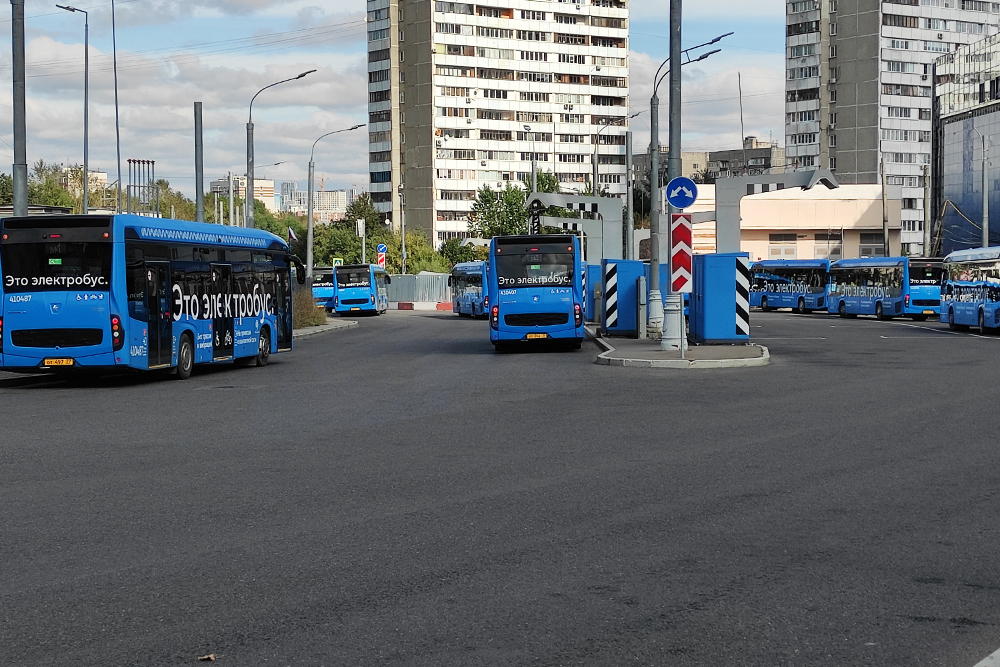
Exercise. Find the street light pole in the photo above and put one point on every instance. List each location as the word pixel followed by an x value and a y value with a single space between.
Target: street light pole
pixel 86 101
pixel 249 188
pixel 402 229
pixel 309 205
pixel 654 312
pixel 20 170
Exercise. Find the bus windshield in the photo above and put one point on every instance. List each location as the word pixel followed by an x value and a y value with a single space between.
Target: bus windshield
pixel 353 278
pixel 53 266
pixel 535 267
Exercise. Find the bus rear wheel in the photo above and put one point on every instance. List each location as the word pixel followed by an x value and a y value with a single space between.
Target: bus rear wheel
pixel 263 347
pixel 185 357
pixel 763 304
pixel 801 310
pixel 842 309
pixel 879 314
pixel 951 320
pixel 982 322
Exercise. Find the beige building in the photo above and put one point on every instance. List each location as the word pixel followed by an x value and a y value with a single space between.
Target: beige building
pixel 807 224
pixel 263 190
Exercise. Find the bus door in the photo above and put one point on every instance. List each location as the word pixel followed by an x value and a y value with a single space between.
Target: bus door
pixel 160 316
pixel 222 327
pixel 283 307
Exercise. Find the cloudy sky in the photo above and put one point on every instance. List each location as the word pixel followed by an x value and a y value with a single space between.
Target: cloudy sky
pixel 172 53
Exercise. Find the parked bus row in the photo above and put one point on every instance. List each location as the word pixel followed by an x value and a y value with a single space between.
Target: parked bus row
pixel 885 287
pixel 116 292
pixel 351 289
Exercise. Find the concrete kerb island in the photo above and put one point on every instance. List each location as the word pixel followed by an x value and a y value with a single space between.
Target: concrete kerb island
pixel 647 354
pixel 331 325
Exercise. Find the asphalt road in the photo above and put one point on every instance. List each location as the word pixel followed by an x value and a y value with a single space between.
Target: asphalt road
pixel 398 494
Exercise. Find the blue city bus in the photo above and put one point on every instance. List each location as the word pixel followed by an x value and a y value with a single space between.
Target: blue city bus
pixel 970 295
pixel 116 292
pixel 799 284
pixel 869 286
pixel 924 297
pixel 467 289
pixel 535 290
pixel 322 286
pixel 361 288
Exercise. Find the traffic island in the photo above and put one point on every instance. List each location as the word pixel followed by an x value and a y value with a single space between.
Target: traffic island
pixel 647 354
pixel 331 325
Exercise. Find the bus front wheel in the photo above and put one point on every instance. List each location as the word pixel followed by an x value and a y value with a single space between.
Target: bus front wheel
pixel 951 320
pixel 185 357
pixel 263 347
pixel 982 322
pixel 801 310
pixel 879 314
pixel 763 304
pixel 842 309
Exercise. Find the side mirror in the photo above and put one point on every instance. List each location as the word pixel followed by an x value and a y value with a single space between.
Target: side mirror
pixel 388 280
pixel 449 281
pixel 300 269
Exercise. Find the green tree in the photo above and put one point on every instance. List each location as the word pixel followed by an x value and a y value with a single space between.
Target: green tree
pixel 499 213
pixel 455 252
pixel 45 187
pixel 6 189
pixel 173 203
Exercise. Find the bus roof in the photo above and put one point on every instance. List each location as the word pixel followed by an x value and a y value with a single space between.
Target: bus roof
pixel 863 262
pixel 166 229
pixel 536 238
pixel 926 261
pixel 469 267
pixel 974 254
pixel 793 263
pixel 374 267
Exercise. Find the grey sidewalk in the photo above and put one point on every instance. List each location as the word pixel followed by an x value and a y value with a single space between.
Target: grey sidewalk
pixel 647 354
pixel 332 324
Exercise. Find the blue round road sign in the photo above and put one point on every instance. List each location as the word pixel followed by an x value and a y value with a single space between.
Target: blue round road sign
pixel 681 192
pixel 381 247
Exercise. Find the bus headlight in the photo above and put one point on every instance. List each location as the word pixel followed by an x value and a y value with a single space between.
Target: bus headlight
pixel 495 317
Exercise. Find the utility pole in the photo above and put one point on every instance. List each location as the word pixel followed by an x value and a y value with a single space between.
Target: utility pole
pixel 885 215
pixel 927 210
pixel 20 133
pixel 629 231
pixel 199 167
pixel 654 311
pixel 673 336
pixel 232 212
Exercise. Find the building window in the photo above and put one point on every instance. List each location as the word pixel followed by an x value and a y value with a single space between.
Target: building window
pixel 833 163
pixel 833 6
pixel 833 140
pixel 833 51
pixel 833 96
pixel 833 119
pixel 833 28
pixel 909 203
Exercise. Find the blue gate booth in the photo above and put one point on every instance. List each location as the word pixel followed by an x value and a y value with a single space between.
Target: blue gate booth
pixel 720 302
pixel 621 307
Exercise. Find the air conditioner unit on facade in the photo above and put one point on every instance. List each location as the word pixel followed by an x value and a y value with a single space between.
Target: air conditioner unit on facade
pixel 482 163
pixel 923 77
pixel 468 121
pixel 468 100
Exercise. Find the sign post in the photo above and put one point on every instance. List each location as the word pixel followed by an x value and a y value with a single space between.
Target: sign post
pixel 381 254
pixel 681 193
pixel 360 224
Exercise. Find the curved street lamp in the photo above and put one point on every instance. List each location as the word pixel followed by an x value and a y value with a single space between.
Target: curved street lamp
pixel 249 188
pixel 86 96
pixel 309 206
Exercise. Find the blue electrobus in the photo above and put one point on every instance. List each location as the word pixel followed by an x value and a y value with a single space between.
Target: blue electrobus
pixel 361 288
pixel 108 292
pixel 869 286
pixel 535 289
pixel 467 288
pixel 970 295
pixel 799 284
pixel 923 298
pixel 322 286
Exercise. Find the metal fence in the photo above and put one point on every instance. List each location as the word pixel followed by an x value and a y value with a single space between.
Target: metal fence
pixel 423 287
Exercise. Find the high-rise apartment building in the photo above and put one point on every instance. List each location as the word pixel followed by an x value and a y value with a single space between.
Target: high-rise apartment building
pixel 465 95
pixel 858 89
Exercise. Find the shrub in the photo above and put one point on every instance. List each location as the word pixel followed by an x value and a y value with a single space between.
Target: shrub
pixel 304 310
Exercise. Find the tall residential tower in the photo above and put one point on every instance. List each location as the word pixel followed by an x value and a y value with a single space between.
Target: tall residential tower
pixel 858 89
pixel 465 95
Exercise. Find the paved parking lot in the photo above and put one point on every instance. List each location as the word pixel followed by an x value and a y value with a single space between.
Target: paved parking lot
pixel 399 494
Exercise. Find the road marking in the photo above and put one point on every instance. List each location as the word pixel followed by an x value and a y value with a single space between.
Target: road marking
pixel 992 660
pixel 944 331
pixel 790 338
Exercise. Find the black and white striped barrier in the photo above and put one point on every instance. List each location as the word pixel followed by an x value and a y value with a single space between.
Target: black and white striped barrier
pixel 611 295
pixel 743 296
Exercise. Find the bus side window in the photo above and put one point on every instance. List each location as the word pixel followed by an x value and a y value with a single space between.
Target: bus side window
pixel 135 284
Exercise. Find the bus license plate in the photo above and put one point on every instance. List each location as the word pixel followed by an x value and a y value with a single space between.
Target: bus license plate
pixel 928 312
pixel 537 335
pixel 355 309
pixel 57 362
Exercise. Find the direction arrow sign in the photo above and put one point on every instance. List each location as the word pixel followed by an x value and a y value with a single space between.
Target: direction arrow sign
pixel 680 252
pixel 381 247
pixel 681 192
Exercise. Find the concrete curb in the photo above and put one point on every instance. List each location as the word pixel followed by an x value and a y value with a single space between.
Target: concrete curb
pixel 605 360
pixel 420 305
pixel 323 328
